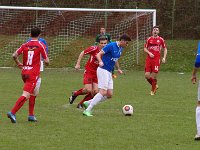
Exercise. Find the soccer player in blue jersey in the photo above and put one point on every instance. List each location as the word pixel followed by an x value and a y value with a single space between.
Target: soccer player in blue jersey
pixel 107 58
pixel 194 80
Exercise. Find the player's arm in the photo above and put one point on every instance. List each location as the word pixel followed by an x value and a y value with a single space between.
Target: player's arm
pixel 15 56
pixel 118 68
pixel 194 77
pixel 46 61
pixel 77 66
pixel 164 55
pixel 147 51
pixel 195 69
pixel 99 58
pixel 44 54
pixel 165 51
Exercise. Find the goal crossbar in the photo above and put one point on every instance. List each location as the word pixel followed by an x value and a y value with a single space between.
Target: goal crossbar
pixel 85 10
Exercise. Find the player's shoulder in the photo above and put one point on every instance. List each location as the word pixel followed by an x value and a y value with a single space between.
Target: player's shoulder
pixel 149 38
pixel 90 49
pixel 42 40
pixel 161 38
pixel 94 47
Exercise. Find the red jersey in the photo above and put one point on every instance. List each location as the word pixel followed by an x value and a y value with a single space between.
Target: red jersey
pixel 92 63
pixel 32 51
pixel 154 45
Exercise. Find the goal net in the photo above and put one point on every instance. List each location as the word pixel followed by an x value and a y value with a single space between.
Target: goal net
pixel 68 31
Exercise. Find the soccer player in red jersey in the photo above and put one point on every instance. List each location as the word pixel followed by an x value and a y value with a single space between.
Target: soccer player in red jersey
pixel 153 47
pixel 90 76
pixel 32 52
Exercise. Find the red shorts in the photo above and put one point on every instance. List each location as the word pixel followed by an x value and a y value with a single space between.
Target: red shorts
pixel 152 64
pixel 29 82
pixel 90 77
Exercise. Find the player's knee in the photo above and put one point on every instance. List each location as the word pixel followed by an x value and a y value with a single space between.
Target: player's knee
pixel 88 90
pixel 147 75
pixel 95 91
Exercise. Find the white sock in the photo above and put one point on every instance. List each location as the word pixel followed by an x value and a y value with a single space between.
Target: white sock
pixel 96 99
pixel 198 119
pixel 103 99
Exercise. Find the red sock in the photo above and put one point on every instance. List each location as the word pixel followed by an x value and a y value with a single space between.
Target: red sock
pixel 31 105
pixel 150 80
pixel 86 98
pixel 79 92
pixel 154 82
pixel 20 102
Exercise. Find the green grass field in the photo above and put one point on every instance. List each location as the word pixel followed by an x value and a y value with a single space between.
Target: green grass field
pixel 165 121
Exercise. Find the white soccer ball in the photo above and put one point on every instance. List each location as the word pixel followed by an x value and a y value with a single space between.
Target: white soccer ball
pixel 127 110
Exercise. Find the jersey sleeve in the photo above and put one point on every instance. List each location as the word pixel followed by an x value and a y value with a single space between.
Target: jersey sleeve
pixel 163 43
pixel 45 43
pixel 107 48
pixel 146 43
pixel 43 51
pixel 19 51
pixel 197 61
pixel 89 50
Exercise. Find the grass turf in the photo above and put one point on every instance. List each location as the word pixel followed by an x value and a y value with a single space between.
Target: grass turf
pixel 161 122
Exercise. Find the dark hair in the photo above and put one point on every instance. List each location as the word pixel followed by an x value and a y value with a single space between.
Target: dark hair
pixel 35 32
pixel 102 38
pixel 155 27
pixel 125 37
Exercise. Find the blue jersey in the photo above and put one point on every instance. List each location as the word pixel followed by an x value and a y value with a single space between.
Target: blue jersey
pixel 197 62
pixel 112 52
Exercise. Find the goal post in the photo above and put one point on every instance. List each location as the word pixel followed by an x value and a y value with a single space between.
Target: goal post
pixel 68 31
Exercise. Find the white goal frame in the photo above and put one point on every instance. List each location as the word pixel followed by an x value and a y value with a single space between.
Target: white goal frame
pixel 153 11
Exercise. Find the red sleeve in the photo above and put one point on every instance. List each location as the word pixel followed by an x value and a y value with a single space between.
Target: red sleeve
pixel 146 44
pixel 20 50
pixel 90 49
pixel 163 43
pixel 43 50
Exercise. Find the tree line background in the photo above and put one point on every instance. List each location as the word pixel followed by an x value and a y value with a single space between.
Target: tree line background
pixel 177 19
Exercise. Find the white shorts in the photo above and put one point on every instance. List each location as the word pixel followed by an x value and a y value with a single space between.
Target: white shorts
pixel 105 80
pixel 198 91
pixel 37 87
pixel 41 65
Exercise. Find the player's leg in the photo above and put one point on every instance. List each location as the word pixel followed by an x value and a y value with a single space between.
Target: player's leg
pixel 87 81
pixel 29 85
pixel 148 70
pixel 94 91
pixel 154 74
pixel 148 77
pixel 197 136
pixel 90 95
pixel 75 94
pixel 154 86
pixel 19 103
pixel 32 99
pixel 104 78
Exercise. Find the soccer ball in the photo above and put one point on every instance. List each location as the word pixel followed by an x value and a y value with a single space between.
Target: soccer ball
pixel 127 110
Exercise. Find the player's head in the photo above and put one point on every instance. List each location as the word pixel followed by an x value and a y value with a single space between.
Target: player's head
pixel 155 31
pixel 102 30
pixel 102 41
pixel 35 32
pixel 124 39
